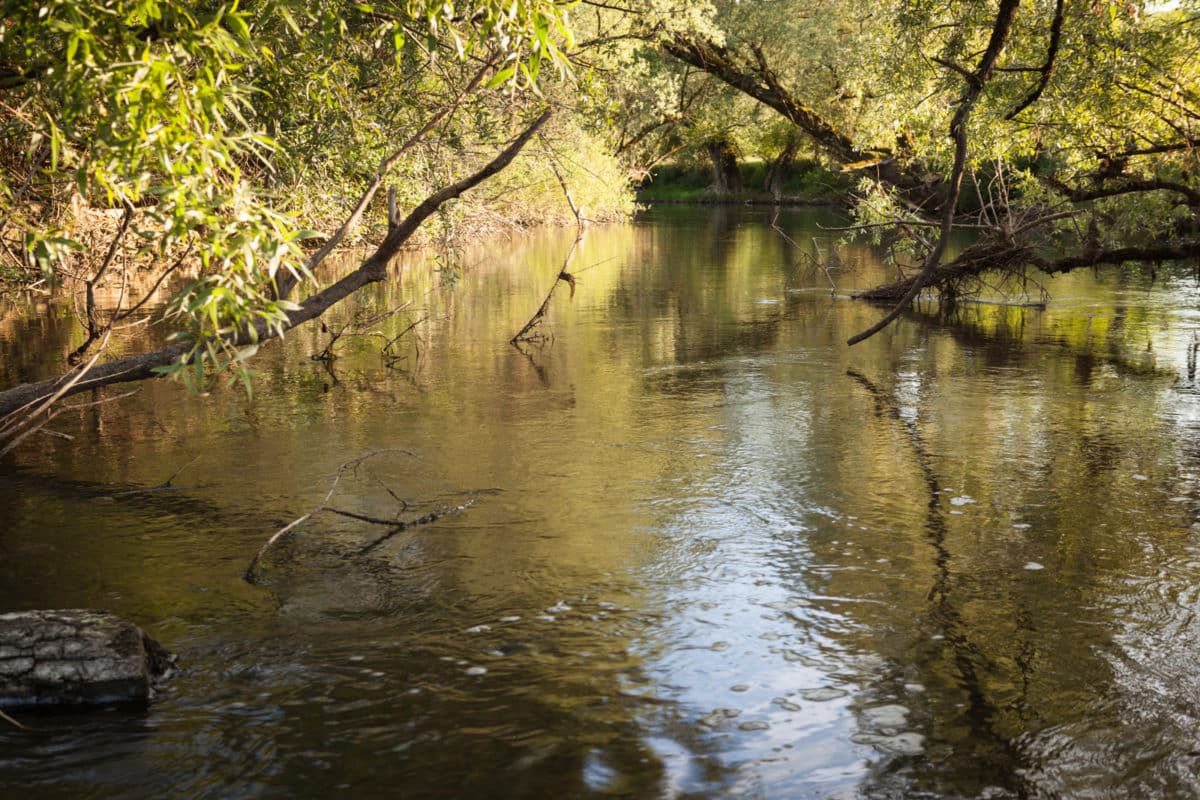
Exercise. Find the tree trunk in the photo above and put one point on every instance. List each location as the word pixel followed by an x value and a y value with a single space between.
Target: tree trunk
pixel 761 83
pixel 727 177
pixel 76 656
pixel 780 168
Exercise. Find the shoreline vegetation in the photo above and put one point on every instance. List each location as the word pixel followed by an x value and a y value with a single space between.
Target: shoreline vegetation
pixel 142 141
pixel 806 183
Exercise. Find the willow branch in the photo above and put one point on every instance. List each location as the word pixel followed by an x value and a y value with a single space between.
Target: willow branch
pixel 958 132
pixel 1047 68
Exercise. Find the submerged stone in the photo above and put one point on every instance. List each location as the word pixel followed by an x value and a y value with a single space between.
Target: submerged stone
pixel 719 716
pixel 889 716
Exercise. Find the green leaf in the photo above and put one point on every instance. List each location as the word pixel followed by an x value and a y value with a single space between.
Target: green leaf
pixel 500 77
pixel 238 26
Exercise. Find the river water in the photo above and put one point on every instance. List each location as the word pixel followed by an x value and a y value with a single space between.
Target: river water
pixel 701 548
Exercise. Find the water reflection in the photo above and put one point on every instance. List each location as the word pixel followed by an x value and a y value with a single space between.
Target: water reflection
pixel 710 550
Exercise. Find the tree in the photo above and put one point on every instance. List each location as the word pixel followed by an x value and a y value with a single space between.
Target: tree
pixel 137 134
pixel 1080 133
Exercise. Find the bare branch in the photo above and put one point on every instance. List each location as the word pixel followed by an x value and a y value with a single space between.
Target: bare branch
pixel 250 575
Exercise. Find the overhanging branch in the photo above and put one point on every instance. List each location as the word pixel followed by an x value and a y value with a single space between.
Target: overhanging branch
pixel 371 270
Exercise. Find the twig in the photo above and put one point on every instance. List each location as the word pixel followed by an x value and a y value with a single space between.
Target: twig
pixel 400 527
pixel 93 324
pixel 249 576
pixel 7 718
pixel 164 486
pixel 358 330
pixel 818 260
pixel 179 261
pixel 12 429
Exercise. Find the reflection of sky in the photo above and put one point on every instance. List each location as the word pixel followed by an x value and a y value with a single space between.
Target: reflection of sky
pixel 746 649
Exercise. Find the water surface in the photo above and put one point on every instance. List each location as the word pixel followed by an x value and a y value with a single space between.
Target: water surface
pixel 707 549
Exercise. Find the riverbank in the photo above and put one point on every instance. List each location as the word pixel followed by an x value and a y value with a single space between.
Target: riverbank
pixel 808 183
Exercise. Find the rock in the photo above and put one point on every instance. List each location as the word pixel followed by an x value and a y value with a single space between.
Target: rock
pixel 76 656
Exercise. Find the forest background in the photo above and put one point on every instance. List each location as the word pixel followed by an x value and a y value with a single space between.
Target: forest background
pixel 190 166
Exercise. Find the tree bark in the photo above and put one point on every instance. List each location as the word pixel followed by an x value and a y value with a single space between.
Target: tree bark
pixel 76 656
pixel 991 255
pixel 761 83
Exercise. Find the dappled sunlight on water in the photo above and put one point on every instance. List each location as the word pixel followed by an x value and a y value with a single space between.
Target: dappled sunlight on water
pixel 696 546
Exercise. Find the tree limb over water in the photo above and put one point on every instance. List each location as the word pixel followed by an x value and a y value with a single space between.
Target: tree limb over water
pixel 1047 129
pixel 372 269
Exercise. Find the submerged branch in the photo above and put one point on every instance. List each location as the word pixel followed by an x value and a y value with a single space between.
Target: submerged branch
pixel 251 573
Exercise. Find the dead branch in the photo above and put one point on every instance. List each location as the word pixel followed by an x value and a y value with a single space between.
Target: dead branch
pixel 563 276
pixel 11 424
pixel 357 328
pixel 818 261
pixel 166 486
pixel 576 210
pixel 401 527
pixel 9 719
pixel 93 323
pixel 250 575
pixel 389 355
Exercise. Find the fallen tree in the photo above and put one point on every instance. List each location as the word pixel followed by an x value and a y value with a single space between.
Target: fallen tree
pixel 1108 168
pixel 200 144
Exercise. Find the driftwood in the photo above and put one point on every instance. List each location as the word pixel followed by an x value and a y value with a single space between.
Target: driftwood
pixel 76 656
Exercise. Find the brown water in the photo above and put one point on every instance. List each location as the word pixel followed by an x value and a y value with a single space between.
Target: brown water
pixel 710 551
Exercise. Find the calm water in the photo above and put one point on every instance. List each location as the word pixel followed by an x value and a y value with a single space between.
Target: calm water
pixel 710 550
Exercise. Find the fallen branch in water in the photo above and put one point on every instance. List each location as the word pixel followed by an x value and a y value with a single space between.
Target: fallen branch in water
pixel 524 335
pixel 357 328
pixel 352 464
pixel 166 486
pixel 401 527
pixel 819 262
pixel 396 524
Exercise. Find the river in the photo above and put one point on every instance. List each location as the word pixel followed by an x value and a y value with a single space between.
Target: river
pixel 696 546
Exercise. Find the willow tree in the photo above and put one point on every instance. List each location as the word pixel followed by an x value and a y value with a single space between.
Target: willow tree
pixel 142 135
pixel 1075 122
